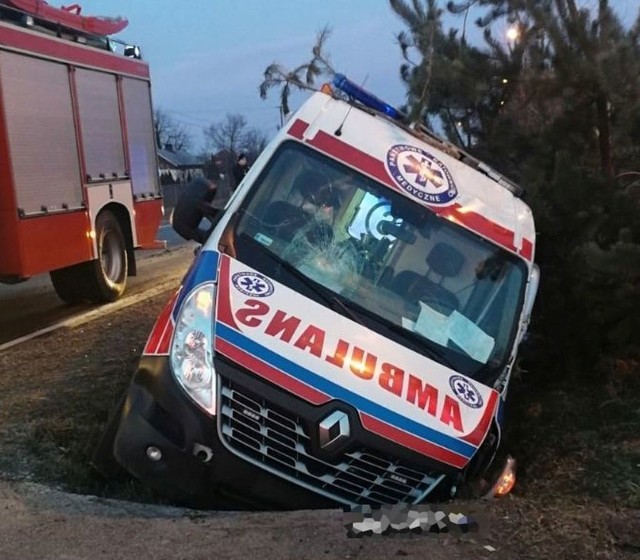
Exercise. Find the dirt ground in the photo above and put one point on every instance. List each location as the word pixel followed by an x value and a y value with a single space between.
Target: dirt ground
pixel 577 497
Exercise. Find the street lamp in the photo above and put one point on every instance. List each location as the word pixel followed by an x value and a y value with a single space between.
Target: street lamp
pixel 513 33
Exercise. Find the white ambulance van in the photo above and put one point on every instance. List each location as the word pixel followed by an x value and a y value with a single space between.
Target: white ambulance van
pixel 347 333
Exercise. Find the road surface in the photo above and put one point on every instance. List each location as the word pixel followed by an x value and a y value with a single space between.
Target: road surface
pixel 39 523
pixel 33 305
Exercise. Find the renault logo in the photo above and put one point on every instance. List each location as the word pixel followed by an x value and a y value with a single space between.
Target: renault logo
pixel 334 429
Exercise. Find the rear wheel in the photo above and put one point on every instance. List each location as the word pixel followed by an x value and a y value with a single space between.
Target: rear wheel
pixel 107 275
pixel 101 280
pixel 67 283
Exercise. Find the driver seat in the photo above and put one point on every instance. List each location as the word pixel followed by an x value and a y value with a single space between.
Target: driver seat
pixel 444 261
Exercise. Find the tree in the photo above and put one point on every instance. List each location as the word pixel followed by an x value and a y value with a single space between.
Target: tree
pixel 254 142
pixel 449 82
pixel 425 29
pixel 228 134
pixel 169 132
pixel 231 136
pixel 585 57
pixel 302 77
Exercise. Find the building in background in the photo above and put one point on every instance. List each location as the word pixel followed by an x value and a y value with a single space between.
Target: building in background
pixel 178 167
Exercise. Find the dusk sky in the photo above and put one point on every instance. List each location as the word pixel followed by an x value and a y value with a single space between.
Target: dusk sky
pixel 207 56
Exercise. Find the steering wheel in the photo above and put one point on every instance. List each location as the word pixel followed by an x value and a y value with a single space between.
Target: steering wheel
pixel 373 226
pixel 442 303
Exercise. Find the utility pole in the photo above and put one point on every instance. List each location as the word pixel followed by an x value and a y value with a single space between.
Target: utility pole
pixel 281 111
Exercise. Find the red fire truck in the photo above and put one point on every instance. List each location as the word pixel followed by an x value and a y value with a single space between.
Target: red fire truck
pixel 79 189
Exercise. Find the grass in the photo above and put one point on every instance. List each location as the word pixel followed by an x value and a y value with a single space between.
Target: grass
pixel 578 441
pixel 52 418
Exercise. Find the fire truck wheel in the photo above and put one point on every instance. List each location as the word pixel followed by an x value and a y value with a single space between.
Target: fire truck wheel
pixel 67 284
pixel 107 275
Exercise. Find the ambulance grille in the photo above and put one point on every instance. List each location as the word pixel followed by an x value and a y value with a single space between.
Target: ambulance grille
pixel 278 442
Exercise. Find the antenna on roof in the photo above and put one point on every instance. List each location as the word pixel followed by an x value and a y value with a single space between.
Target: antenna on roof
pixel 338 131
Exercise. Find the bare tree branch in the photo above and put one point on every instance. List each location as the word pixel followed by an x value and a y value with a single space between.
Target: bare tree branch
pixel 170 133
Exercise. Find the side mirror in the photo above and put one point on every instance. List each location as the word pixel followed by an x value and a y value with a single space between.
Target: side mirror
pixel 529 301
pixel 532 290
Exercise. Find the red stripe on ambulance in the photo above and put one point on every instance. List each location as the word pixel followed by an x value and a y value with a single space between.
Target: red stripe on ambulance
pixel 412 442
pixel 298 128
pixel 476 437
pixel 270 373
pixel 163 322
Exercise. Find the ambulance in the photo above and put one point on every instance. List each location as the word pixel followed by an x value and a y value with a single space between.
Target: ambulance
pixel 347 333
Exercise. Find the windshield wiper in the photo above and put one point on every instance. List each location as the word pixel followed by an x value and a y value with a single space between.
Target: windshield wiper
pixel 424 345
pixel 419 343
pixel 328 296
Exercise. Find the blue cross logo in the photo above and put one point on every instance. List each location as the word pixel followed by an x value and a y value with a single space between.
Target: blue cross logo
pixel 253 284
pixel 420 174
pixel 465 391
pixel 423 171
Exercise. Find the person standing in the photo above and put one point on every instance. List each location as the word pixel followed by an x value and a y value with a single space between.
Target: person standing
pixel 239 170
pixel 193 205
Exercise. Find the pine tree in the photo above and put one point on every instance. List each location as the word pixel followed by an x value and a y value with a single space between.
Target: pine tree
pixel 302 77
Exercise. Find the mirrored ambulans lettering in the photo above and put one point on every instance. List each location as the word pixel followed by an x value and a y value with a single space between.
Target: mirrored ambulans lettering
pixel 249 315
pixel 351 359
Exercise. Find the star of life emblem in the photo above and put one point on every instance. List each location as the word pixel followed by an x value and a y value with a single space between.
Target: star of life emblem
pixel 465 391
pixel 252 284
pixel 420 174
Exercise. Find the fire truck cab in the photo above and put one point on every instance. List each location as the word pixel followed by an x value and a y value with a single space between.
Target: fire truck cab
pixel 79 189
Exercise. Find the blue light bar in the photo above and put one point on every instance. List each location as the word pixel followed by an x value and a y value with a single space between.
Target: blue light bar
pixel 356 92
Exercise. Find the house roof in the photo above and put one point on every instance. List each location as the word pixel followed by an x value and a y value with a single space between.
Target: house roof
pixel 180 159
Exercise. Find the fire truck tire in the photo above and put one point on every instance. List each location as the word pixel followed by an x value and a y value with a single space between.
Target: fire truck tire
pixel 67 284
pixel 107 275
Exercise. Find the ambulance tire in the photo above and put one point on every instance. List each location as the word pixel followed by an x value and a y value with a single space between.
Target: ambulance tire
pixel 106 277
pixel 102 459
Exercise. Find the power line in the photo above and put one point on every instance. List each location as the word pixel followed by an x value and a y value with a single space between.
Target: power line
pixel 212 117
pixel 214 111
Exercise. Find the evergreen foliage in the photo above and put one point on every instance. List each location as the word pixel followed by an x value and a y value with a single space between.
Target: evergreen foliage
pixel 559 111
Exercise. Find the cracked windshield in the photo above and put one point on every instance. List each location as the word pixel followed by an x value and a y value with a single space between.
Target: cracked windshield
pixel 384 259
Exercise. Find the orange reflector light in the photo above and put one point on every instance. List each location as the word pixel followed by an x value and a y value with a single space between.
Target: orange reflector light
pixel 506 481
pixel 326 88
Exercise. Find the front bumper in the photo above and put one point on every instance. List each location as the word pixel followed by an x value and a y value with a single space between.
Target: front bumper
pixel 260 452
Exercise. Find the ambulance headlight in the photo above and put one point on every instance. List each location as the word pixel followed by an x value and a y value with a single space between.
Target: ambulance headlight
pixel 191 355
